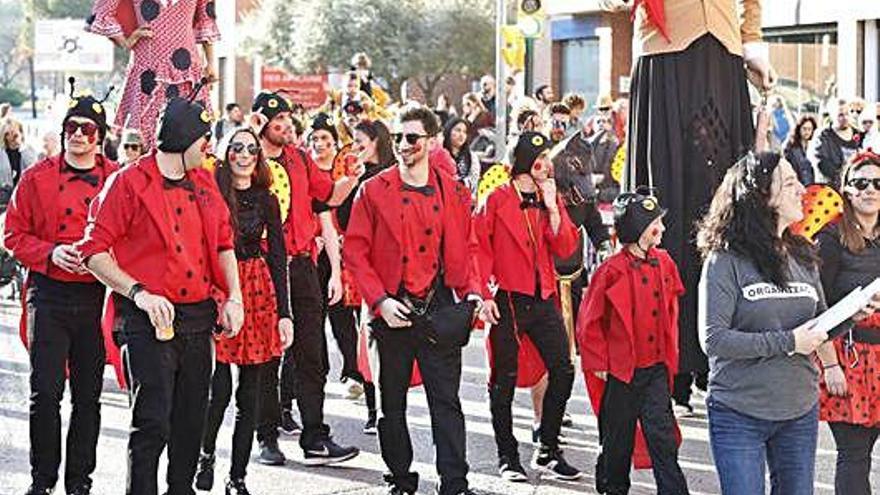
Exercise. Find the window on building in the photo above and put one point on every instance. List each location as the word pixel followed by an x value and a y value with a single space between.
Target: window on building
pixel 579 67
pixel 805 57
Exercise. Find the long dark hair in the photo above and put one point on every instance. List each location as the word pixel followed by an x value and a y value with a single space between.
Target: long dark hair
pixel 794 139
pixel 447 135
pixel 741 220
pixel 377 131
pixel 261 178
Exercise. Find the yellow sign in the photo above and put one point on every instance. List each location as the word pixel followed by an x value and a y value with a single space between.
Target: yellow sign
pixel 514 50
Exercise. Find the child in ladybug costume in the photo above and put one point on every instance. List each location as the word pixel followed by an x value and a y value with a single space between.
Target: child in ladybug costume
pixel 629 351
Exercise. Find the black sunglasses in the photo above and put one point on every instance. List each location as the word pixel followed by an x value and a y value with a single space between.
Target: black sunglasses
pixel 131 146
pixel 411 138
pixel 252 148
pixel 862 183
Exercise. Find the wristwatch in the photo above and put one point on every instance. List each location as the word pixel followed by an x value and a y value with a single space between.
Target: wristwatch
pixel 137 287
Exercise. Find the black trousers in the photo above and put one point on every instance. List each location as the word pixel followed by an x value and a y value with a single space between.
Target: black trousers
pixel 540 320
pixel 854 446
pixel 343 323
pixel 646 399
pixel 441 374
pixel 305 364
pixel 170 382
pixel 64 336
pixel 247 396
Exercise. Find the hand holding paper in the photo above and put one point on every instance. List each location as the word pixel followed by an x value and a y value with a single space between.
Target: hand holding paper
pixel 858 304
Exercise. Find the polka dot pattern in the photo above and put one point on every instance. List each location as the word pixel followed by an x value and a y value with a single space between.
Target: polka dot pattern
pixel 496 176
pixel 861 404
pixel 169 58
pixel 822 205
pixel 280 187
pixel 258 341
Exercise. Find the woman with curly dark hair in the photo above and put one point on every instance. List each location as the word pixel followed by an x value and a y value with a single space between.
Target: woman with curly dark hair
pixel 758 296
pixel 244 180
pixel 796 149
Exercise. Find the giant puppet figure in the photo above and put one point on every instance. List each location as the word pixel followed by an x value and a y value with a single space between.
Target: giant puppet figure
pixel 165 62
pixel 690 119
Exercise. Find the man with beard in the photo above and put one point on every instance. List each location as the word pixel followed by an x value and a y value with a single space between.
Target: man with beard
pixel 62 324
pixel 306 362
pixel 159 236
pixel 411 238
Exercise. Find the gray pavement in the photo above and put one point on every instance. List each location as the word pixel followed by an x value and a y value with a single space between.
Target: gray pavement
pixel 363 475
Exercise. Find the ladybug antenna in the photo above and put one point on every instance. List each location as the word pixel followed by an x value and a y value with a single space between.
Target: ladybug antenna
pixel 72 81
pixel 197 88
pixel 107 94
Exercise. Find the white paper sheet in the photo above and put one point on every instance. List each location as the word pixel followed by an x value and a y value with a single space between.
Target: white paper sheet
pixel 845 308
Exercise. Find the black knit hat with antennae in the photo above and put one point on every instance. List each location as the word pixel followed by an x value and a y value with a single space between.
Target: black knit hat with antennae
pixel 86 106
pixel 183 122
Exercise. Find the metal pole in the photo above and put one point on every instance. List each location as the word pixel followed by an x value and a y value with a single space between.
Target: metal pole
pixel 33 87
pixel 500 87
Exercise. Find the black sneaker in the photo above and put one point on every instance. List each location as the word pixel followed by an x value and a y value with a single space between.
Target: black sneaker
pixel 511 469
pixel 395 490
pixel 236 487
pixel 39 490
pixel 466 491
pixel 205 472
pixel 289 426
pixel 370 426
pixel 270 454
pixel 554 464
pixel 325 451
pixel 84 489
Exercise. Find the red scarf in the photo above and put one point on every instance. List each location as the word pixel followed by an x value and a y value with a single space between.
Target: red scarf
pixel 655 13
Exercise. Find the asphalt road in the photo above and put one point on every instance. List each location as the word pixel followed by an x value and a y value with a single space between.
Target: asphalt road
pixel 363 474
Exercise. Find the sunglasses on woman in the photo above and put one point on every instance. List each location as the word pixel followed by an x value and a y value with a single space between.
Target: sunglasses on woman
pixel 88 128
pixel 862 183
pixel 411 138
pixel 252 148
pixel 131 147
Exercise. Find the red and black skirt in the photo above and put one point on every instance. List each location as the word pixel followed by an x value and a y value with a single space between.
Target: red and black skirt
pixel 258 341
pixel 861 404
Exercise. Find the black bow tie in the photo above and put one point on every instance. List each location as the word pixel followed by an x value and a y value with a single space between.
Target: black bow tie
pixel 83 175
pixel 92 179
pixel 424 190
pixel 650 261
pixel 182 183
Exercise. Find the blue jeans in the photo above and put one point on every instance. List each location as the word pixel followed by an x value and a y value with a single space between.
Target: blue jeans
pixel 743 445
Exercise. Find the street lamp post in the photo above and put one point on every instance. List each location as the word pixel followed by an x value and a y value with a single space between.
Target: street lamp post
pixel 500 87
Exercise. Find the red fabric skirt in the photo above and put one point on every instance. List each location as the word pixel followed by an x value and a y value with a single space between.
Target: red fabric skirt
pixel 861 404
pixel 258 341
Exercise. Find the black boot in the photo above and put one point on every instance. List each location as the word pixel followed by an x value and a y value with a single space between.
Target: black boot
pixel 205 473
pixel 236 487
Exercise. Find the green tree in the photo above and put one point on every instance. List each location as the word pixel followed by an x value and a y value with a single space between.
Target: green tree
pixel 408 40
pixel 13 54
pixel 59 9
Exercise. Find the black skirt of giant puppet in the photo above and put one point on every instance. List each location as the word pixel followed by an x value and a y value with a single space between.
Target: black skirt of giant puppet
pixel 691 109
